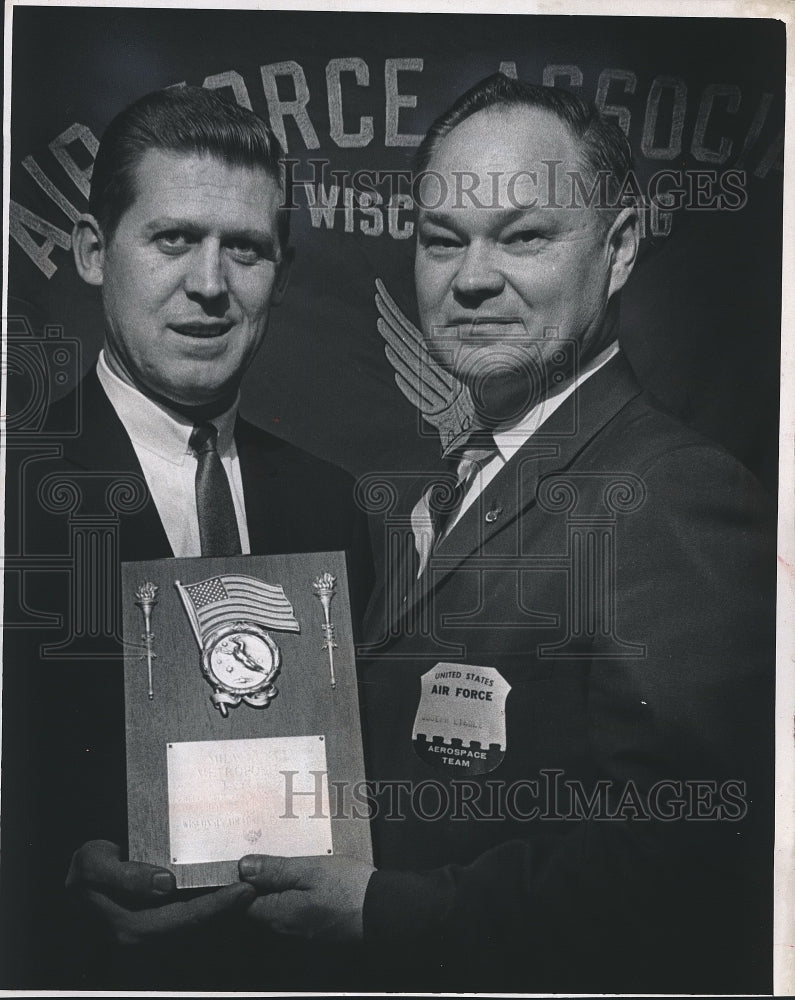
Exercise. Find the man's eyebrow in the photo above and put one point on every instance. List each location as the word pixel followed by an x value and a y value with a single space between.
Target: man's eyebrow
pixel 170 222
pixel 451 218
pixel 260 237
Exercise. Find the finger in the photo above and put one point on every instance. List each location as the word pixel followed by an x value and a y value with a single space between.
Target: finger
pixel 269 873
pixel 137 926
pixel 281 911
pixel 98 865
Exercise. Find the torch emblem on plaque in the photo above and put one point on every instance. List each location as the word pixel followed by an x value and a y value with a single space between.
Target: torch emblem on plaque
pixel 325 586
pixel 231 617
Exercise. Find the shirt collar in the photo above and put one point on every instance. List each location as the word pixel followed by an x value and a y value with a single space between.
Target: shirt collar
pixel 154 427
pixel 510 439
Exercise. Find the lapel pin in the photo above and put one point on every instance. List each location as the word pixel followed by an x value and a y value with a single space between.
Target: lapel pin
pixel 493 513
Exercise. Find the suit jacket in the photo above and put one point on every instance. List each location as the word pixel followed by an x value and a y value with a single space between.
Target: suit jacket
pixel 619 575
pixel 77 506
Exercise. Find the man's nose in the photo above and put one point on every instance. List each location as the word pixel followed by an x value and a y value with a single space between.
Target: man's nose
pixel 206 274
pixel 478 276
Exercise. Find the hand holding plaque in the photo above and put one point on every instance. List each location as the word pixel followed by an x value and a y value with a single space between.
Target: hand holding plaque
pixel 320 898
pixel 136 901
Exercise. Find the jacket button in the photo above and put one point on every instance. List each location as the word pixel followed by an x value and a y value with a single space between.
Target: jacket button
pixel 493 513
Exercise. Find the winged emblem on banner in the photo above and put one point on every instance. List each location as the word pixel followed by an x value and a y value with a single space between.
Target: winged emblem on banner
pixel 443 400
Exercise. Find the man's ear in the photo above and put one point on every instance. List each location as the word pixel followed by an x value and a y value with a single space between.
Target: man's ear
pixel 282 275
pixel 88 247
pixel 623 241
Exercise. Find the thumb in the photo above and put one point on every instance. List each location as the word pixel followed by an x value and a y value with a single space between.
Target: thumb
pixel 268 873
pixel 98 865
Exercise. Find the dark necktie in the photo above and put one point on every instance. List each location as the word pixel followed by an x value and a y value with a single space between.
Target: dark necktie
pixel 439 505
pixel 217 519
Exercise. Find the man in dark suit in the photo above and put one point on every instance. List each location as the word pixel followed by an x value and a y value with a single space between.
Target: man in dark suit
pixel 568 689
pixel 187 237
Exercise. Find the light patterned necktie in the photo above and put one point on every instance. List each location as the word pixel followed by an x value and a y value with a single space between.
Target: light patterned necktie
pixel 215 507
pixel 437 508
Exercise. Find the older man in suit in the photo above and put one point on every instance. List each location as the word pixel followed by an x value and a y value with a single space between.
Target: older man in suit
pixel 187 238
pixel 568 689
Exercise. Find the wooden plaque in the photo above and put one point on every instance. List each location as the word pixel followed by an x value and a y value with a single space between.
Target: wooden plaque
pixel 247 740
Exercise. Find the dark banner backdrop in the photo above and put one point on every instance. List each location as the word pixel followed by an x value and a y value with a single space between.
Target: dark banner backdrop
pixel 701 98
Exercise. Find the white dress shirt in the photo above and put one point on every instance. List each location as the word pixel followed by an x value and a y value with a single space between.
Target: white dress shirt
pixel 508 440
pixel 160 439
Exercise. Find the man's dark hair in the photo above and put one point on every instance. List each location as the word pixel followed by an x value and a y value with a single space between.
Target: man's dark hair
pixel 180 120
pixel 604 146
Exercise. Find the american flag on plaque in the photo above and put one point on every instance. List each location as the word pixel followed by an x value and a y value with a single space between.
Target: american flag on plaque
pixel 231 617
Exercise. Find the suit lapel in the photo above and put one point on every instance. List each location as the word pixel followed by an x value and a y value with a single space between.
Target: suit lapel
pixel 104 447
pixel 259 473
pixel 551 449
pixel 398 562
